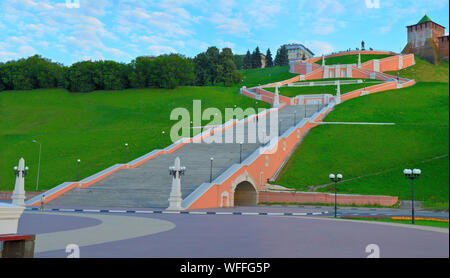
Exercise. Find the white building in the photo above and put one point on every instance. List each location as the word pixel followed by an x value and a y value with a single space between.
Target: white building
pixel 298 51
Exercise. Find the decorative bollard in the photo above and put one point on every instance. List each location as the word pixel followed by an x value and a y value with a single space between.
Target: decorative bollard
pixel 18 197
pixel 175 197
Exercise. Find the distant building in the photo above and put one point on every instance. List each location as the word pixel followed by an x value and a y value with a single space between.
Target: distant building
pixel 298 52
pixel 428 40
pixel 263 61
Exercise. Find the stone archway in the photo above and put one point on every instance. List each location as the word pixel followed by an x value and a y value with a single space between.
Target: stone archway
pixel 241 185
pixel 245 194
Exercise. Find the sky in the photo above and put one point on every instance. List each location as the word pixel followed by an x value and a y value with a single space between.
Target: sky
pixel 68 31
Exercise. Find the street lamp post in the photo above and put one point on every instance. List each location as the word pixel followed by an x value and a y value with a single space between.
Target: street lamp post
pixel 412 175
pixel 210 171
pixel 240 153
pixel 335 178
pixel 126 147
pixel 39 164
pixel 304 105
pixel 78 169
pixel 279 128
pixel 162 138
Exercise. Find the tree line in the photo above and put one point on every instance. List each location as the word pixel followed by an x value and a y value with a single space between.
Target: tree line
pixel 36 72
pixel 254 60
pixel 212 67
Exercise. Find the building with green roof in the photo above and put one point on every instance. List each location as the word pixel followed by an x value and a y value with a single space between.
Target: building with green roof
pixel 427 39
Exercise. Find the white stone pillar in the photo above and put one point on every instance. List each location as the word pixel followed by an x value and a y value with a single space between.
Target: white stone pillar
pixel 349 71
pixel 323 60
pixel 359 60
pixel 175 197
pixel 338 93
pixel 325 72
pixel 18 197
pixel 376 65
pixel 276 100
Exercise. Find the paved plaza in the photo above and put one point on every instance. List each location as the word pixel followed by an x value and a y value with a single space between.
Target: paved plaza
pixel 163 235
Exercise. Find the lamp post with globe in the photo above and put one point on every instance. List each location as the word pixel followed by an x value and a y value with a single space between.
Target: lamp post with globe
pixel 412 175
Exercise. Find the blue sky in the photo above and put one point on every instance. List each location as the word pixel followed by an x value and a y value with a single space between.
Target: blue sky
pixel 121 30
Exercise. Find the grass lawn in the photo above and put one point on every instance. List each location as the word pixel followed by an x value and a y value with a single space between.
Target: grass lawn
pixel 372 158
pixel 424 71
pixel 92 127
pixel 351 59
pixel 432 223
pixel 256 77
pixel 312 90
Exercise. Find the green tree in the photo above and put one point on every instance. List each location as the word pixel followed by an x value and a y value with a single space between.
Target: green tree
pixel 269 60
pixel 114 76
pixel 31 73
pixel 170 71
pixel 256 59
pixel 213 56
pixel 239 61
pixel 201 69
pixel 227 72
pixel 139 72
pixel 282 58
pixel 248 60
pixel 81 77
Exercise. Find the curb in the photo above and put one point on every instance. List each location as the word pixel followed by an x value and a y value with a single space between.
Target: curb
pixel 181 212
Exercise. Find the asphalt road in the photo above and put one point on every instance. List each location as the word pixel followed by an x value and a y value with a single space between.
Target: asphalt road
pixel 229 236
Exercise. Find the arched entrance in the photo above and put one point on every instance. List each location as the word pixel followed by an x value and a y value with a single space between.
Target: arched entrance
pixel 245 194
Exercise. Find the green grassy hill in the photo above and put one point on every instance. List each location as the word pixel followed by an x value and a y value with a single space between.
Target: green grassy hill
pixel 92 127
pixel 295 91
pixel 372 158
pixel 351 59
pixel 256 77
pixel 424 71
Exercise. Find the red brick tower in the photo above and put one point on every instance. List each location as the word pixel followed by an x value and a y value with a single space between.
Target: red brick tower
pixel 427 39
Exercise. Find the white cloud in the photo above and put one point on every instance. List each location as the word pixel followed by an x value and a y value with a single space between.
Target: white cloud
pixel 384 29
pixel 222 44
pixel 7 56
pixel 230 25
pixel 17 40
pixel 26 51
pixel 319 47
pixel 264 13
pixel 160 49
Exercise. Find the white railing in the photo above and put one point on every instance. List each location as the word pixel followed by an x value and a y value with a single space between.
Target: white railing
pixel 324 83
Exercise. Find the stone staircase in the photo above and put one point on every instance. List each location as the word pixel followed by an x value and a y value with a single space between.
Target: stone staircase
pixel 149 184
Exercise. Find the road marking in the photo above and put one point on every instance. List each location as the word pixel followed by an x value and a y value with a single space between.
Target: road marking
pixel 112 228
pixel 55 210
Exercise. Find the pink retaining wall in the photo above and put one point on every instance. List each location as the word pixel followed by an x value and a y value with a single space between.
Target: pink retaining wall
pixel 372 89
pixel 316 74
pixel 269 96
pixel 313 60
pixel 325 198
